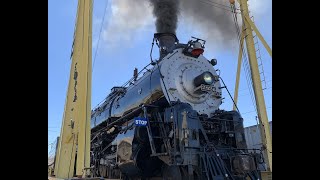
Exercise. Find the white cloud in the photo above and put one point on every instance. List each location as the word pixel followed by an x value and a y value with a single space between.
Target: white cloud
pixel 259 7
pixel 127 18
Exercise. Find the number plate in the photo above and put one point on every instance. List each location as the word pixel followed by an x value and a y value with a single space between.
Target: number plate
pixel 206 87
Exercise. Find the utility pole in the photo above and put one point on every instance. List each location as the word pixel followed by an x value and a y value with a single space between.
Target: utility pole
pixel 248 27
pixel 74 144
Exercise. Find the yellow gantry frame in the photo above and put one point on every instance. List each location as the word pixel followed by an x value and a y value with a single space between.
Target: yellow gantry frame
pixel 246 33
pixel 75 130
pixel 238 70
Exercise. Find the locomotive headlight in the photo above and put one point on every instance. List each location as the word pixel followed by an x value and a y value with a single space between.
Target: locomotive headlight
pixel 205 78
pixel 208 78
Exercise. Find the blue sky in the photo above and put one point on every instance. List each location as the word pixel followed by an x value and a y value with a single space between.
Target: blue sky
pixel 125 44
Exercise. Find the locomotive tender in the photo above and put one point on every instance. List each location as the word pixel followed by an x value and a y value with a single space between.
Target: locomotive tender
pixel 165 122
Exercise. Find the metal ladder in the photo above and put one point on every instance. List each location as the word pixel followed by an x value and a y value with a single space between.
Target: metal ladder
pixel 163 135
pixel 259 59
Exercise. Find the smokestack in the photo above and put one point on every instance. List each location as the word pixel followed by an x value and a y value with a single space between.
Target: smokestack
pixel 166 42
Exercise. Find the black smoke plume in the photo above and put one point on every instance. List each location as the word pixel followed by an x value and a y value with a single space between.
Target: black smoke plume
pixel 166 13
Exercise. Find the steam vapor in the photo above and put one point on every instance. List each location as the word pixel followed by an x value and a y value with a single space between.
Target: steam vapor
pixel 205 19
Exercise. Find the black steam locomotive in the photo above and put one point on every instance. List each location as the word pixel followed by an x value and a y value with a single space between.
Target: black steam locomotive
pixel 165 122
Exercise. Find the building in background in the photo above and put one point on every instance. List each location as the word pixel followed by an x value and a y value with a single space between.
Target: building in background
pixel 253 137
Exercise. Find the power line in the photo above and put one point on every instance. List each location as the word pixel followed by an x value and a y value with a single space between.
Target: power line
pixel 101 27
pixel 210 3
pixel 253 111
pixel 219 4
pixel 246 66
pixel 249 93
pixel 248 88
pixel 245 59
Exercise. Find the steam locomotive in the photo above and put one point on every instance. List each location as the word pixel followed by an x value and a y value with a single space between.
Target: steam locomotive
pixel 165 122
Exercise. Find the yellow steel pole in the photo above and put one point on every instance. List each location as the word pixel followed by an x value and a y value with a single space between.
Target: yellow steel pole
pixel 258 34
pixel 75 125
pixel 236 89
pixel 84 89
pixel 88 122
pixel 257 87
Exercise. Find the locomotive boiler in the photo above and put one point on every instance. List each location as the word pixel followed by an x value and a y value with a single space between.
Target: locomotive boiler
pixel 165 122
